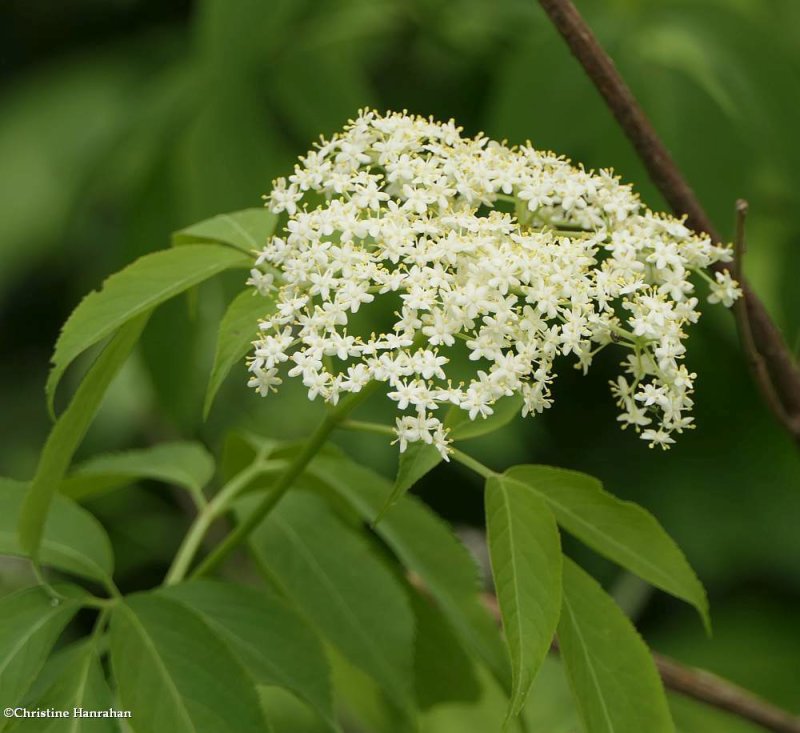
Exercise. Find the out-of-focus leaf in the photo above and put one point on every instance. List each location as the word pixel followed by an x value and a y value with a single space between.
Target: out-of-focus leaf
pixel 462 428
pixel 56 125
pixel 550 706
pixel 144 529
pixel 525 551
pixel 137 289
pixel 78 683
pixel 271 639
pixel 234 141
pixel 443 671
pixel 613 677
pixel 181 463
pixel 247 230
pixel 233 39
pixel 237 331
pixel 426 546
pixel 332 575
pixel 287 712
pixel 174 673
pixel 31 625
pixel 320 90
pixel 677 47
pixel 73 540
pixel 69 430
pixel 364 705
pixel 691 716
pixel 485 713
pixel 621 530
pixel 751 617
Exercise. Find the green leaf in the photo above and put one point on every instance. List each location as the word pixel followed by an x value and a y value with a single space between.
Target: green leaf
pixel 610 669
pixel 69 430
pixel 181 463
pixel 525 552
pixel 73 540
pixel 426 546
pixel 443 671
pixel 31 625
pixel 137 289
pixel 175 674
pixel 237 331
pixel 77 682
pixel 417 460
pixel 462 428
pixel 335 579
pixel 289 713
pixel 270 638
pixel 247 230
pixel 621 530
pixel 550 707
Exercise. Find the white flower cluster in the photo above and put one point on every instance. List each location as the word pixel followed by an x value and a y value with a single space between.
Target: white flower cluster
pixel 508 257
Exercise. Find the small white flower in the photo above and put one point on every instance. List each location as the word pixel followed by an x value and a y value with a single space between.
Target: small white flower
pixel 725 290
pixel 261 281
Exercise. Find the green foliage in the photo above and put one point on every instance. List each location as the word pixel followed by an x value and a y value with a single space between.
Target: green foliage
pixel 420 458
pixel 443 670
pixel 416 461
pixel 426 547
pixel 157 132
pixel 174 673
pixel 135 290
pixel 236 332
pixel 180 463
pixel 72 541
pixel 73 678
pixel 273 641
pixel 525 551
pixel 620 530
pixel 343 594
pixel 246 230
pixel 348 593
pixel 611 671
pixel 31 625
pixel 68 432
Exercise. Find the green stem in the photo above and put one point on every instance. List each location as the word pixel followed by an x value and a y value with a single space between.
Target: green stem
pixel 214 508
pixel 54 595
pixel 100 625
pixel 458 455
pixel 472 463
pixel 367 427
pixel 88 600
pixel 317 439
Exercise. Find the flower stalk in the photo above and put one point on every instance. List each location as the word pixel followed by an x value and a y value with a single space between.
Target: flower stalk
pixel 284 482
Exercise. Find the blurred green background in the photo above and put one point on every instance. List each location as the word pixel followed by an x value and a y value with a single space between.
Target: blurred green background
pixel 122 120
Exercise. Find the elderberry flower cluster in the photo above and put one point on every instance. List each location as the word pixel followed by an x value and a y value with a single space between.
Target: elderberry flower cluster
pixel 503 257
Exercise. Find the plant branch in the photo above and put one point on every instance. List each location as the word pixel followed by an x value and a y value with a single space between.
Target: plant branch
pixel 457 455
pixel 471 463
pixel 211 512
pixel 724 695
pixel 755 361
pixel 780 366
pixel 284 482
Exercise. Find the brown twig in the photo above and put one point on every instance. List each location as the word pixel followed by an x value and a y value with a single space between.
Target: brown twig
pixel 706 688
pixel 780 369
pixel 755 361
pixel 724 695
